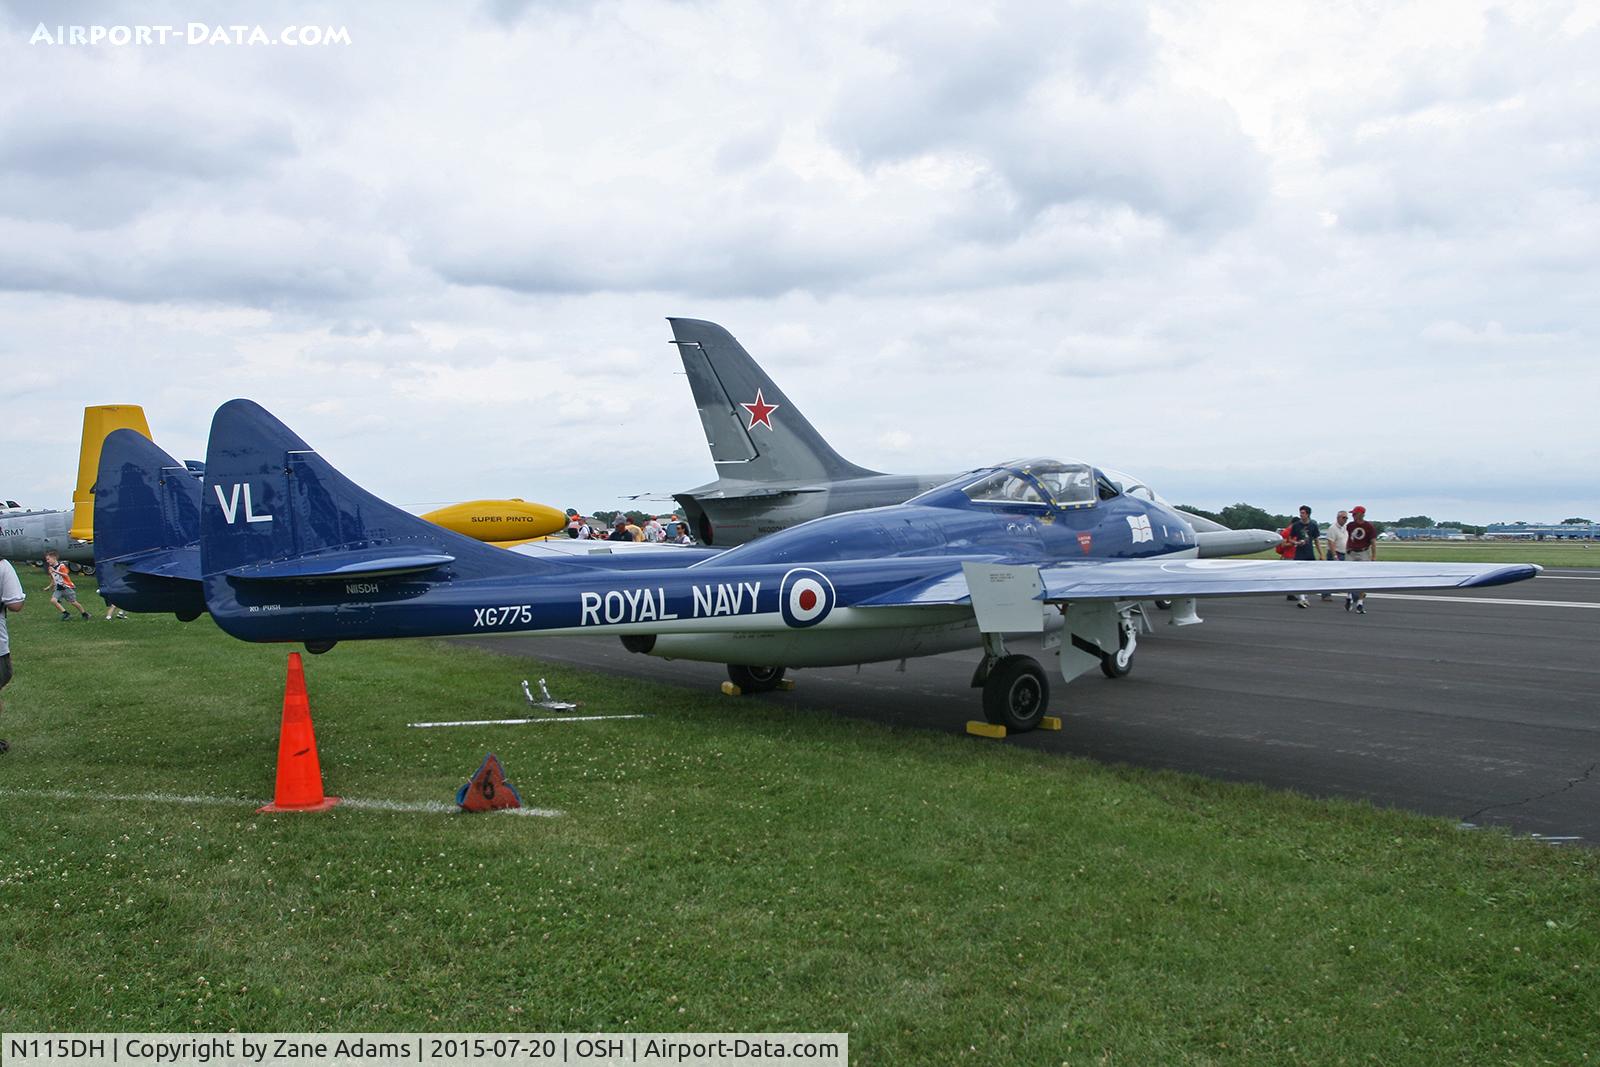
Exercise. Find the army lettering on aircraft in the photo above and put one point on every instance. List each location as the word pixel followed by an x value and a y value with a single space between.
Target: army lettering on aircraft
pixel 760 412
pixel 230 505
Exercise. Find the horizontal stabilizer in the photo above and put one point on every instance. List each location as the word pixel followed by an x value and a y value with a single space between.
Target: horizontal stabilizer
pixel 345 563
pixel 183 562
pixel 755 492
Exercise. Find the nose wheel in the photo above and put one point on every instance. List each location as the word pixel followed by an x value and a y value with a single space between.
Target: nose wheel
pixel 1117 664
pixel 1015 693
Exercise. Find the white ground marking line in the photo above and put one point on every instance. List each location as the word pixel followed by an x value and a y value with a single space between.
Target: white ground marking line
pixel 1571 577
pixel 428 807
pixel 520 722
pixel 1486 600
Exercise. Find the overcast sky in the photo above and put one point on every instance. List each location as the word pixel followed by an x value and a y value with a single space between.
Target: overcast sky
pixel 1332 253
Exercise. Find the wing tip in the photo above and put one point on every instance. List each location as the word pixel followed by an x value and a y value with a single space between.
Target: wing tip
pixel 1511 572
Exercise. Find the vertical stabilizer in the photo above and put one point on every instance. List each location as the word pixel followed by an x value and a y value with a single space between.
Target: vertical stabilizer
pixel 98 423
pixel 269 498
pixel 144 500
pixel 754 431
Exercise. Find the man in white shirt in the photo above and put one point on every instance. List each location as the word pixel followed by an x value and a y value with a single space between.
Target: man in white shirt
pixel 1338 538
pixel 11 598
pixel 654 531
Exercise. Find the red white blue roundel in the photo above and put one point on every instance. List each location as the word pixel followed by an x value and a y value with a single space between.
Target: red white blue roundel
pixel 806 597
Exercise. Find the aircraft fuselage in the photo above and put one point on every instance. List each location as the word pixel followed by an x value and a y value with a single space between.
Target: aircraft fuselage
pixel 25 536
pixel 721 514
pixel 803 593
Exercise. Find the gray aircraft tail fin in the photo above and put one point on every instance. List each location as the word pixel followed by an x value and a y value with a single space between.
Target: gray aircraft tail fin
pixel 754 431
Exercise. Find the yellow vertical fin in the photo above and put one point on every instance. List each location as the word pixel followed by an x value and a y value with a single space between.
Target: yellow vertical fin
pixel 97 423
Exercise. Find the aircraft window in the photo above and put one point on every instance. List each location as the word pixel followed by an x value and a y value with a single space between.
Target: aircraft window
pixel 1132 486
pixel 1004 487
pixel 1069 484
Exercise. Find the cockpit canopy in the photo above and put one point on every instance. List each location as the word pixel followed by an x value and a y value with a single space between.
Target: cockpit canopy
pixel 1039 481
pixel 1132 486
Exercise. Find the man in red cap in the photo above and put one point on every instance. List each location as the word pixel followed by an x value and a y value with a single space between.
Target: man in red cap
pixel 1362 538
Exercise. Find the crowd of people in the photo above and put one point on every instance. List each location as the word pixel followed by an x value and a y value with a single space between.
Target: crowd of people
pixel 673 530
pixel 1351 538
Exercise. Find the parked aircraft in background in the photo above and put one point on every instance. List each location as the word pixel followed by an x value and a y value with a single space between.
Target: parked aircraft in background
pixel 27 534
pixel 292 550
pixel 774 470
pixel 147 515
pixel 98 423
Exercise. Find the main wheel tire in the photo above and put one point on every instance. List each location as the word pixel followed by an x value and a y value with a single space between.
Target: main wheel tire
pixel 1016 693
pixel 755 679
pixel 1109 665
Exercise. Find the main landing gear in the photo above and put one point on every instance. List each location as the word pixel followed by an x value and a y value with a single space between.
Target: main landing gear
pixel 1016 691
pixel 755 679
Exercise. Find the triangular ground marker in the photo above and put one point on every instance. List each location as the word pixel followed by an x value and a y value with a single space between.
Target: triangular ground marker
pixel 488 789
pixel 299 785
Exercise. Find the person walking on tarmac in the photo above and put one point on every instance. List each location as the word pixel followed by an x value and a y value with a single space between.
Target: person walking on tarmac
pixel 1337 540
pixel 11 598
pixel 62 591
pixel 1305 533
pixel 1363 549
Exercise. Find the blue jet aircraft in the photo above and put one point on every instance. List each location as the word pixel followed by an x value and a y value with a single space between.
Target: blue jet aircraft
pixel 147 528
pixel 292 550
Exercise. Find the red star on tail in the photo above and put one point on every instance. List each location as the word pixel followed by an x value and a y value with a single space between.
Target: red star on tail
pixel 760 411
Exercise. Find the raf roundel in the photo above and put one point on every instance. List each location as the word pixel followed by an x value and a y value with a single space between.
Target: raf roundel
pixel 806 597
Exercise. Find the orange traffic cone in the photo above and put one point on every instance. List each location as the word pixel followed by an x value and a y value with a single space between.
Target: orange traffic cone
pixel 299 773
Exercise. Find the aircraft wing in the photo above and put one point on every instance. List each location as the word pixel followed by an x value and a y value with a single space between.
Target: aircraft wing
pixel 1167 579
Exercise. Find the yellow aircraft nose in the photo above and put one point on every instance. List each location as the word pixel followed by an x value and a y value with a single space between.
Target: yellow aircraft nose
pixel 499 520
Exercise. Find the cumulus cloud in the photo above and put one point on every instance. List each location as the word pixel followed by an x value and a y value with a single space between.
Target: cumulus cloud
pixel 1153 236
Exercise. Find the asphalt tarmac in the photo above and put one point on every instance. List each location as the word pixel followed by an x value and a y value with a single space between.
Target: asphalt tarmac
pixel 1481 706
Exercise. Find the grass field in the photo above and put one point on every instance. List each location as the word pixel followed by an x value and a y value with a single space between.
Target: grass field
pixel 1544 553
pixel 727 864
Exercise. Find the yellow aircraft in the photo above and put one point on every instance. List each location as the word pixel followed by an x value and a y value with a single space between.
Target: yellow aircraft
pixel 500 522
